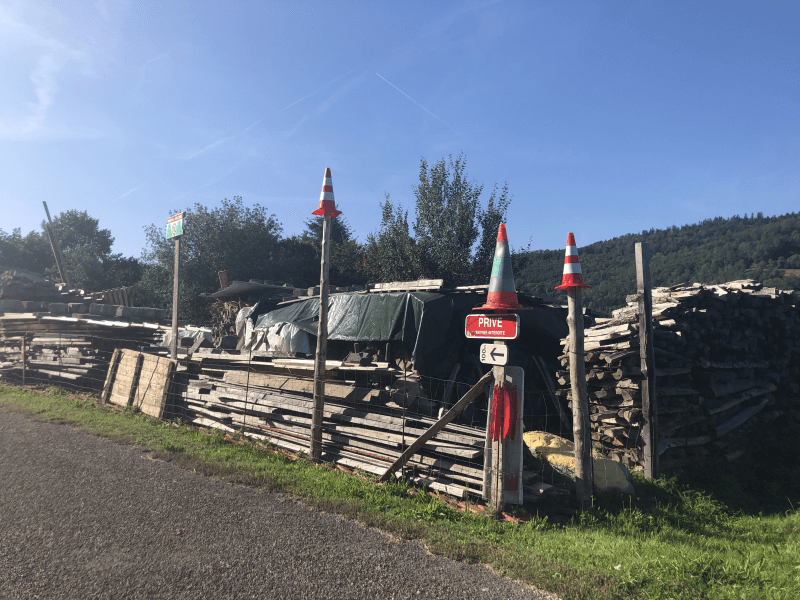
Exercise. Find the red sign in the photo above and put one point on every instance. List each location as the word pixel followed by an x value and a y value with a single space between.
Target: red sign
pixel 496 327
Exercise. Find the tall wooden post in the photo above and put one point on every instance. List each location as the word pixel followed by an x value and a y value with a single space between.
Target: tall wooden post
pixel 62 271
pixel 581 429
pixel 322 345
pixel 647 357
pixel 174 344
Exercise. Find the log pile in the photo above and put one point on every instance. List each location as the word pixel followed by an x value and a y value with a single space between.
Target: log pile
pixel 727 363
pixel 372 412
pixel 70 345
pixel 223 322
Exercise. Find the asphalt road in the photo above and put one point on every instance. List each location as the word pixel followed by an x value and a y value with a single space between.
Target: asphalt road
pixel 84 517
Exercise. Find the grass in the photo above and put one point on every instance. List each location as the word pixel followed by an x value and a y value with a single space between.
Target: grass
pixel 673 541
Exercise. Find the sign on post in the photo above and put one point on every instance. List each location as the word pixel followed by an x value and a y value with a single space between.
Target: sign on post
pixel 496 327
pixel 175 226
pixel 494 354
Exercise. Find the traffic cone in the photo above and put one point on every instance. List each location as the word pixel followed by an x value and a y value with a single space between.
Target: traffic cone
pixel 572 267
pixel 502 294
pixel 327 206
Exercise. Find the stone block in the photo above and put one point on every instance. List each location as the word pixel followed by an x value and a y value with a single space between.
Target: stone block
pixel 77 308
pixel 96 309
pixel 59 308
pixel 11 305
pixel 32 306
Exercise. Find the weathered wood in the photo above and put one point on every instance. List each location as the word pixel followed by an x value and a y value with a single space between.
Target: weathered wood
pixel 175 288
pixel 315 448
pixel 581 427
pixel 451 414
pixel 739 419
pixel 135 379
pixel 647 358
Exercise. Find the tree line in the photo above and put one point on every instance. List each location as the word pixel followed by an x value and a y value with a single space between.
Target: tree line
pixel 450 235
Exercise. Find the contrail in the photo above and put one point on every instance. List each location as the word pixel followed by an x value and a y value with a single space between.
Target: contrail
pixel 128 193
pixel 312 93
pixel 415 102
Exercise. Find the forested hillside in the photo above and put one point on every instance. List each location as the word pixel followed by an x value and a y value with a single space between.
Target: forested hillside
pixel 716 250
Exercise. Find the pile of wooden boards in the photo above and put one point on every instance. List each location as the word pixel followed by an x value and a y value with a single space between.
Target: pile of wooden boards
pixel 139 380
pixel 62 344
pixel 371 413
pixel 727 361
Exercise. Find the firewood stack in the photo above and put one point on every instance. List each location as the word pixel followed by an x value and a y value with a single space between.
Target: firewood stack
pixel 727 363
pixel 223 321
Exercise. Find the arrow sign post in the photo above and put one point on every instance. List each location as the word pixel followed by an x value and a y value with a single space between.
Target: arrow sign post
pixel 494 354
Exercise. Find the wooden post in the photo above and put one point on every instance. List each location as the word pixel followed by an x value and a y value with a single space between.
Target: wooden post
pixel 174 344
pixel 502 471
pixel 223 279
pixel 315 449
pixel 580 400
pixel 56 248
pixel 647 357
pixel 22 352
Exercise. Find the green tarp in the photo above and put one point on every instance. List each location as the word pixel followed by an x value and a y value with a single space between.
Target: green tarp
pixel 419 319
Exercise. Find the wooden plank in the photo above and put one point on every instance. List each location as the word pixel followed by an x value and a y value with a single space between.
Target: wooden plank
pixel 135 378
pixel 739 419
pixel 465 400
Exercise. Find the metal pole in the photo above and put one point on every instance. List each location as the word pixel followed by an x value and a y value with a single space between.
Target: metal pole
pixel 56 248
pixel 174 344
pixel 322 346
pixel 647 357
pixel 580 400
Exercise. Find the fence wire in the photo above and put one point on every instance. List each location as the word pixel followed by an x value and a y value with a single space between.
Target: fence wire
pixel 372 413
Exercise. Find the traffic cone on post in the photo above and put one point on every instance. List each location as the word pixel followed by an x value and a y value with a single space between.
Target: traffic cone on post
pixel 502 294
pixel 326 208
pixel 327 205
pixel 572 267
pixel 573 282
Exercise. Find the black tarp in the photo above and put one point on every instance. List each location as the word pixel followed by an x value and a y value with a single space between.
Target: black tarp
pixel 430 325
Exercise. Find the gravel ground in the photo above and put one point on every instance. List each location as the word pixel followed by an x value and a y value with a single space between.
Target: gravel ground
pixel 84 517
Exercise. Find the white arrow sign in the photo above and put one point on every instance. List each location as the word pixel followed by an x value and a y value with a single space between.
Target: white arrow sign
pixel 494 354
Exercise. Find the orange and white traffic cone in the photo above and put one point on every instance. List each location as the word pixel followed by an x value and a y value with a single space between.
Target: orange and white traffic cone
pixel 572 267
pixel 327 205
pixel 502 294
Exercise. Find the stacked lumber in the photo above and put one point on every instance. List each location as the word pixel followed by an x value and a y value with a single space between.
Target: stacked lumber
pixel 63 344
pixel 727 364
pixel 371 413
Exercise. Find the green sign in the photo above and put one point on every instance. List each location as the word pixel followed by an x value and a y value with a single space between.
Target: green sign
pixel 175 226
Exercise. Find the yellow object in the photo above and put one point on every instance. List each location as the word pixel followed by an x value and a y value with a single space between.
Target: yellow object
pixel 560 452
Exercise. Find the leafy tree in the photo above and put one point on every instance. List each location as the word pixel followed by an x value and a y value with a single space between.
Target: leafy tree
pixel 454 236
pixel 391 253
pixel 346 254
pixel 86 249
pixel 242 240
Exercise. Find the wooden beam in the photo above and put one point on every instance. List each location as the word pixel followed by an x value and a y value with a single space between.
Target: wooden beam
pixel 62 271
pixel 315 445
pixel 581 427
pixel 451 414
pixel 647 358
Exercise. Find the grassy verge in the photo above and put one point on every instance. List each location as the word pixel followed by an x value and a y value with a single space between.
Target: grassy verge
pixel 672 542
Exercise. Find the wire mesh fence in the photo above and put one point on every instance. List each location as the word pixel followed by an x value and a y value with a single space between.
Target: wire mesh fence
pixel 372 413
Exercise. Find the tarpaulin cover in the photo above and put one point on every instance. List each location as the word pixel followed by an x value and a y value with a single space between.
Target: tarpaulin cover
pixel 419 319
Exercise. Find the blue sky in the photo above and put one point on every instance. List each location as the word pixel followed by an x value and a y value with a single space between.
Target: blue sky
pixel 605 118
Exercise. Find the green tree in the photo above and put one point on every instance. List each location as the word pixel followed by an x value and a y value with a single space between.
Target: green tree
pixel 86 248
pixel 240 239
pixel 454 236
